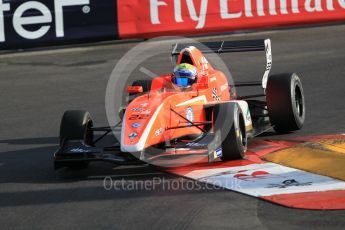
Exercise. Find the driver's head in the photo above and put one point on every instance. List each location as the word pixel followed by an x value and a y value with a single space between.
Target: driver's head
pixel 185 75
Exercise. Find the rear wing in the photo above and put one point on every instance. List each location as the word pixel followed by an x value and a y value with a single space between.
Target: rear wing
pixel 233 46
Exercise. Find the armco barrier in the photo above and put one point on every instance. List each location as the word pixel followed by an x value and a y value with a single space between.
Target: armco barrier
pixel 31 23
pixel 149 18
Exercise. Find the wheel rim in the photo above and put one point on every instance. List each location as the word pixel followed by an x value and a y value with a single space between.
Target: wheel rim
pixel 243 140
pixel 299 101
pixel 242 133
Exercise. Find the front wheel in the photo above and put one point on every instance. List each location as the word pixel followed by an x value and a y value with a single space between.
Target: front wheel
pixel 229 121
pixel 76 125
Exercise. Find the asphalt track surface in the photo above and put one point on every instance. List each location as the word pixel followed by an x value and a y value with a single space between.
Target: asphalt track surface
pixel 37 87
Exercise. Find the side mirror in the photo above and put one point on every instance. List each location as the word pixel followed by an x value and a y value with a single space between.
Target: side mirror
pixel 122 111
pixel 135 89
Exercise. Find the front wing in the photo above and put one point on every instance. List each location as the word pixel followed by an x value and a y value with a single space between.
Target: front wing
pixel 76 151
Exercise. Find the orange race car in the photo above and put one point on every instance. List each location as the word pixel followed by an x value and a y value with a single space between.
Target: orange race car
pixel 192 111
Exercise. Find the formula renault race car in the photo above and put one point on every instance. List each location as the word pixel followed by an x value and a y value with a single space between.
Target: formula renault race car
pixel 207 119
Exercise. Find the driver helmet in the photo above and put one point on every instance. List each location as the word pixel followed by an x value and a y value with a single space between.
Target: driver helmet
pixel 185 75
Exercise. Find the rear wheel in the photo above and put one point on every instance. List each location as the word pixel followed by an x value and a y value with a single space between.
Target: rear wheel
pixel 229 121
pixel 285 102
pixel 76 125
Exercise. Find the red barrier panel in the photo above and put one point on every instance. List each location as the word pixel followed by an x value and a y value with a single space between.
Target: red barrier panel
pixel 150 18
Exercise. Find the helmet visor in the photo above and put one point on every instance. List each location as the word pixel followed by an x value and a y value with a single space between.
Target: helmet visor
pixel 183 81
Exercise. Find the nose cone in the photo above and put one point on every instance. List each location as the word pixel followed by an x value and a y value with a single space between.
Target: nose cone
pixel 140 124
pixel 135 121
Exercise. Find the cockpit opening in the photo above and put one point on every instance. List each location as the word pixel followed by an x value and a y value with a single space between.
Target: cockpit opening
pixel 186 58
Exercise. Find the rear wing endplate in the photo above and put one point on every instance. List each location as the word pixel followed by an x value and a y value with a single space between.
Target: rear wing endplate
pixel 233 46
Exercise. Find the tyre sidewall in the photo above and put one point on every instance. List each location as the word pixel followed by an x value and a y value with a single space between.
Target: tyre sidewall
pixel 296 82
pixel 281 102
pixel 227 121
pixel 75 125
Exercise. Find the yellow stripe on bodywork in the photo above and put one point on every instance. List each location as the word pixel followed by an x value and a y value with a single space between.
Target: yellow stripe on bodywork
pixel 325 157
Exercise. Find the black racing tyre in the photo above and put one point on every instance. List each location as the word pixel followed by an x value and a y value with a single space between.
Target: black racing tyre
pixel 75 125
pixel 285 102
pixel 229 121
pixel 146 84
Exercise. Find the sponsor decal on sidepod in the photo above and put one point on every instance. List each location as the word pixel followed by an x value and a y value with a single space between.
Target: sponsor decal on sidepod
pixel 158 132
pixel 190 114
